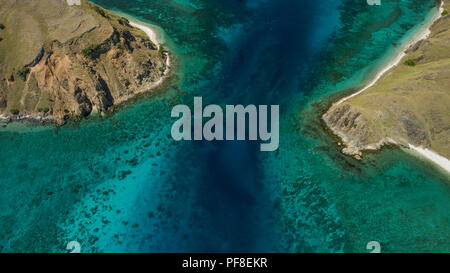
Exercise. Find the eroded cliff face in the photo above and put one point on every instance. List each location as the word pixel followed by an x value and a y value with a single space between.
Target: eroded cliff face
pixel 352 127
pixel 75 61
pixel 409 105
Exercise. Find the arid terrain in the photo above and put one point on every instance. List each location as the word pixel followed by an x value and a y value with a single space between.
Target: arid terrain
pixel 410 104
pixel 59 61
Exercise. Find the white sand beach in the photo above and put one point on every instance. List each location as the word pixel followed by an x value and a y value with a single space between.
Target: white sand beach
pixel 151 33
pixel 423 34
pixel 154 38
pixel 441 161
pixel 434 157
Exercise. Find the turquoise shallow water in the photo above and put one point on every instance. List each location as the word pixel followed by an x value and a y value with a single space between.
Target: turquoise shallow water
pixel 120 183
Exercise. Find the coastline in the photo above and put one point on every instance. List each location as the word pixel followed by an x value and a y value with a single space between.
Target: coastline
pixel 149 31
pixel 437 159
pixel 152 35
pixel 31 118
pixel 430 155
pixel 421 35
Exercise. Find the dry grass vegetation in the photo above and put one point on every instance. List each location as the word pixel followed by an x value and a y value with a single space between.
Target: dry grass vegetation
pixel 409 104
pixel 61 61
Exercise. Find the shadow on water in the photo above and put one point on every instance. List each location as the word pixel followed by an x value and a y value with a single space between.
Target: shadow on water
pixel 261 67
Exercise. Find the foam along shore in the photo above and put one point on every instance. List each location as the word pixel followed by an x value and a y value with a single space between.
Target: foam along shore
pixel 151 33
pixel 154 38
pixel 434 157
pixel 421 35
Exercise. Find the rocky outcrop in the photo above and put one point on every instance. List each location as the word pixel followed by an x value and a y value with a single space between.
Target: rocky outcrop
pixel 37 59
pixel 410 104
pixel 353 128
pixel 87 60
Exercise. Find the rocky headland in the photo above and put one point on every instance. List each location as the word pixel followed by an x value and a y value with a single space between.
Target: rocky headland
pixel 407 105
pixel 68 59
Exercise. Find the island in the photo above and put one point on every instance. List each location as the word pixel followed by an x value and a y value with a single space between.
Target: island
pixel 69 59
pixel 408 104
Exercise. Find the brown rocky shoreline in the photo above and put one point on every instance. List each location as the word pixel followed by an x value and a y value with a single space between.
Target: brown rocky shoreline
pixel 390 110
pixel 85 61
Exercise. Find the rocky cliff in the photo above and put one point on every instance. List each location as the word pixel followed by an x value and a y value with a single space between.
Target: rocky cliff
pixel 59 61
pixel 410 104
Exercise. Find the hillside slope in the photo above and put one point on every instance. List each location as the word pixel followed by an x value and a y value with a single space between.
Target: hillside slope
pixel 59 61
pixel 410 104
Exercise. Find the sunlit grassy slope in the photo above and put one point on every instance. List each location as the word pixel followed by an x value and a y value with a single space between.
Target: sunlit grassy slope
pixel 409 104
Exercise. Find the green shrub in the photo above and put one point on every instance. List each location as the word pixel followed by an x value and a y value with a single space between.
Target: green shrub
pixel 445 12
pixel 124 21
pixel 14 111
pixel 162 52
pixel 92 52
pixel 87 52
pixel 115 38
pixel 43 109
pixel 101 12
pixel 23 73
pixel 2 26
pixel 410 62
